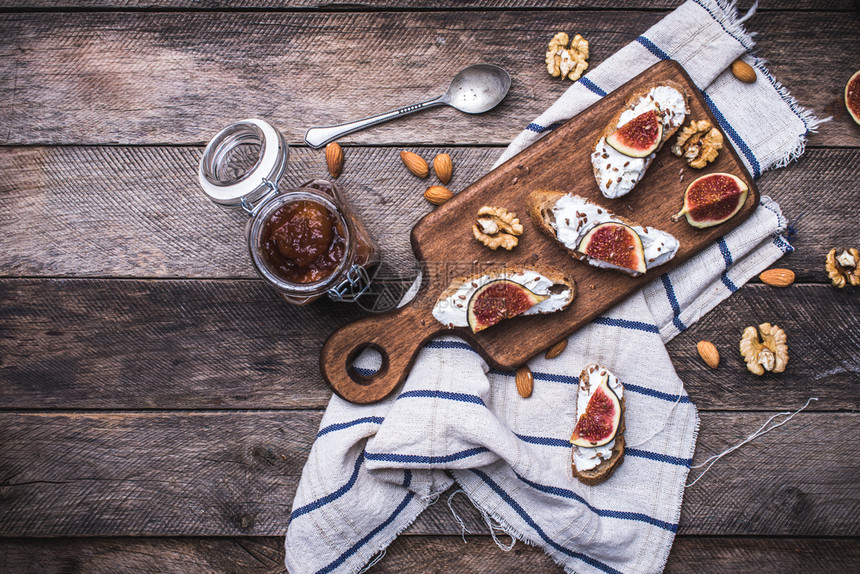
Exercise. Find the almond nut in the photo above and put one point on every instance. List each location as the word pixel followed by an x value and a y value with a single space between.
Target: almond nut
pixel 444 167
pixel 415 163
pixel 743 71
pixel 334 158
pixel 438 194
pixel 777 277
pixel 525 381
pixel 556 349
pixel 709 353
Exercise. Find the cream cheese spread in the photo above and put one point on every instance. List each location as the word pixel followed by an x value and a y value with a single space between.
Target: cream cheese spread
pixel 617 173
pixel 452 310
pixel 575 216
pixel 588 458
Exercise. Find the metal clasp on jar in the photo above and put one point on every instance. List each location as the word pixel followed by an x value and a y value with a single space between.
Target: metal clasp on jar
pixel 355 285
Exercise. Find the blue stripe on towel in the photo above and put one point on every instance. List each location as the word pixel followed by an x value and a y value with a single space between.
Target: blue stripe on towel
pixel 591 86
pixel 544 440
pixel 624 323
pixel 564 443
pixel 636 516
pixel 421 459
pixel 727 257
pixel 449 345
pixel 537 128
pixel 530 521
pixel 320 502
pixel 658 457
pixel 407 478
pixel 784 245
pixel 352 549
pixel 365 372
pixel 341 426
pixel 652 47
pixel 724 250
pixel 460 397
pixel 730 131
pixel 673 301
pixel 656 394
pixel 571 380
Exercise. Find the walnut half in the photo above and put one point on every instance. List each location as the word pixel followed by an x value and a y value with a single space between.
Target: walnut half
pixel 766 353
pixel 699 143
pixel 843 265
pixel 497 227
pixel 567 62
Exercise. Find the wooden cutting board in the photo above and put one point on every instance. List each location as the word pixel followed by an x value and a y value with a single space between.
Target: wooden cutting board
pixel 443 242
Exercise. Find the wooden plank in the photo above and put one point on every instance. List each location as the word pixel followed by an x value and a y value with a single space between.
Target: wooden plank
pixel 171 78
pixel 248 555
pixel 114 344
pixel 764 5
pixel 262 555
pixel 139 211
pixel 235 474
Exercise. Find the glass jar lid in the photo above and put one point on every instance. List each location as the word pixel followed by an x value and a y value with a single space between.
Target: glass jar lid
pixel 243 162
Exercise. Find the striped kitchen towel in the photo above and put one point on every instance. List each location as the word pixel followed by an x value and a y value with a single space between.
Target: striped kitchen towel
pixel 374 468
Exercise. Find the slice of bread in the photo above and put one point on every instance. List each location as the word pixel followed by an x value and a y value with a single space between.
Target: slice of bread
pixel 631 103
pixel 604 470
pixel 540 206
pixel 452 306
pixel 554 275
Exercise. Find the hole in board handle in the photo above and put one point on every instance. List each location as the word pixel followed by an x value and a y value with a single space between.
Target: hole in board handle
pixel 364 376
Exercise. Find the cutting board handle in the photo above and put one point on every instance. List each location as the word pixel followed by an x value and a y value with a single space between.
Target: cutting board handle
pixel 397 335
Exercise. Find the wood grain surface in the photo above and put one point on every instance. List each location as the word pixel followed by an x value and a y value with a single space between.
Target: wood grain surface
pixel 139 212
pixel 150 382
pixel 234 474
pixel 178 77
pixel 437 555
pixel 134 344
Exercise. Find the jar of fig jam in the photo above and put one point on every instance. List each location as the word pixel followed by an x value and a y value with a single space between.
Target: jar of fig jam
pixel 305 242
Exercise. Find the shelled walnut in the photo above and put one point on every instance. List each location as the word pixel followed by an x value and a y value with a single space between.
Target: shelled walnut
pixel 843 265
pixel 567 62
pixel 699 143
pixel 497 227
pixel 765 349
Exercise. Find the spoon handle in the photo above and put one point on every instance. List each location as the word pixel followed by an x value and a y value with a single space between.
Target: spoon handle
pixel 318 137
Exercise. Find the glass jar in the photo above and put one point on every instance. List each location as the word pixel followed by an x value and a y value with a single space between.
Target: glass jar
pixel 305 242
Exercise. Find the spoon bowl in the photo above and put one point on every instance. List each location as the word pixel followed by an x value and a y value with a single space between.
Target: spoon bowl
pixel 474 90
pixel 478 88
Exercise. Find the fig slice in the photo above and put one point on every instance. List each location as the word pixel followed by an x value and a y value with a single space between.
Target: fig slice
pixel 639 137
pixel 616 244
pixel 498 300
pixel 599 423
pixel 713 199
pixel 852 96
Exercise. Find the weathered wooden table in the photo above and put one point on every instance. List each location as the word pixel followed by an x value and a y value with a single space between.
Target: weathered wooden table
pixel 159 401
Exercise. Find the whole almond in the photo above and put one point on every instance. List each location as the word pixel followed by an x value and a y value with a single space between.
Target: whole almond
pixel 415 163
pixel 777 277
pixel 438 194
pixel 556 349
pixel 525 382
pixel 743 71
pixel 334 158
pixel 709 353
pixel 444 167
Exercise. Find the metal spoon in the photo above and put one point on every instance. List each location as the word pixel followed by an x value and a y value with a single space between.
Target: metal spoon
pixel 473 90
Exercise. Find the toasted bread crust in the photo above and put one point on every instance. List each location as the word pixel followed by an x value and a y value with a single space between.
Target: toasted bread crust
pixel 540 204
pixel 550 273
pixel 630 104
pixel 606 467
